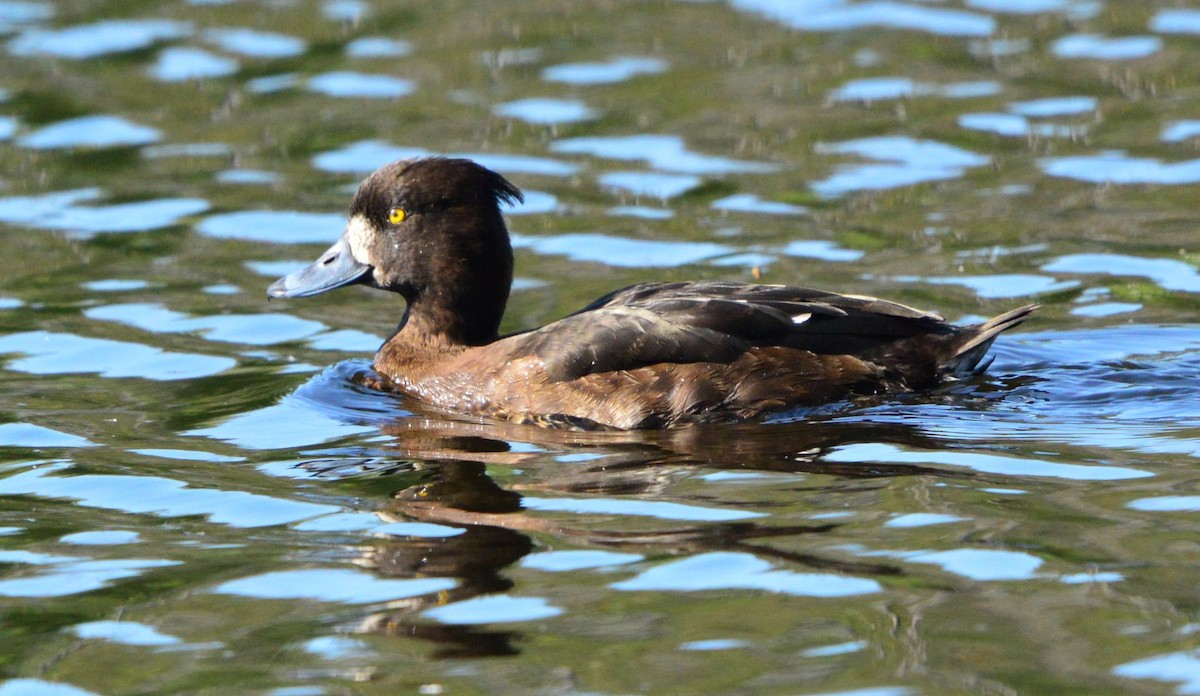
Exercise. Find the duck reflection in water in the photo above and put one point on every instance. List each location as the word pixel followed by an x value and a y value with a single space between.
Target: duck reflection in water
pixel 446 471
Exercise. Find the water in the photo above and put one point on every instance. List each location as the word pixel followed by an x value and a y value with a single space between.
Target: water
pixel 197 497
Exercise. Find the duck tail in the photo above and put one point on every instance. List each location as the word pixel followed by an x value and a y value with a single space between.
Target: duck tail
pixel 968 356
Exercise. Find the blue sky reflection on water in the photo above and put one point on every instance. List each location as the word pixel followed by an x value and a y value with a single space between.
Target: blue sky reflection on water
pixel 494 609
pixel 91 131
pixel 48 353
pixel 353 84
pixel 161 496
pixel 717 571
pixel 546 111
pixel 59 211
pixel 900 161
pixel 87 41
pixel 365 156
pixel 986 463
pixel 843 16
pixel 330 585
pixel 615 70
pixel 871 89
pixel 178 64
pixel 123 632
pixel 39 687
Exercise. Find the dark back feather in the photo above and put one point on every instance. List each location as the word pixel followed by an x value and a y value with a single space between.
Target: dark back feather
pixel 653 323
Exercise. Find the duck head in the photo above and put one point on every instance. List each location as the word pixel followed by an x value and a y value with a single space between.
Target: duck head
pixel 429 229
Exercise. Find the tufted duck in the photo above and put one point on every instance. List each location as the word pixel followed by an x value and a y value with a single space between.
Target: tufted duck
pixel 648 356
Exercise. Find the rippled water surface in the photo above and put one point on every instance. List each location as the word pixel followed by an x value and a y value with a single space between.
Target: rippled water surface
pixel 197 497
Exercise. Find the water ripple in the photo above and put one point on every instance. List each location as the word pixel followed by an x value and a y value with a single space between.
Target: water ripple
pixel 102 537
pixel 73 576
pixel 292 423
pixel 750 203
pixel 999 286
pixel 344 83
pixel 1105 309
pixel 250 329
pixel 336 647
pixel 273 83
pixel 641 211
pixel 124 633
pixel 976 564
pixel 275 226
pixel 743 571
pixel 907 161
pixel 983 463
pixel 615 70
pixel 40 687
pixel 90 131
pixel 535 203
pixel 1167 503
pixel 48 353
pixel 187 150
pixel 59 211
pixel 1116 167
pixel 1020 6
pixel 1176 21
pixel 1177 131
pixel 636 508
pixel 38 437
pixel 185 455
pixel 660 186
pixel 181 63
pixel 1168 274
pixel 256 44
pixel 15 14
pixel 545 111
pixel 821 249
pixel 1054 106
pixel 841 15
pixel 345 10
pixel 332 585
pixel 115 285
pixel 101 38
pixel 665 153
pixel 1105 48
pixel 162 497
pixel 378 47
pixel 564 561
pixel 872 89
pixel 494 609
pixel 254 177
pixel 368 155
pixel 622 252
pixel 838 649
pixel 1182 667
pixel 921 519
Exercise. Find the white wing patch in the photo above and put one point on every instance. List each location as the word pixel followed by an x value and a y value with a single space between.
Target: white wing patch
pixel 801 318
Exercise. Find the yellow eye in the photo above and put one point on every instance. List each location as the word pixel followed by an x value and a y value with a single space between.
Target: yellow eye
pixel 396 216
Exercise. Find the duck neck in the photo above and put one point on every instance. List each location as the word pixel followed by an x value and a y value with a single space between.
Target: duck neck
pixel 461 308
pixel 429 333
pixel 441 323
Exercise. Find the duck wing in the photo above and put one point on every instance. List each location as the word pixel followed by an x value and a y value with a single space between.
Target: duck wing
pixel 653 323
